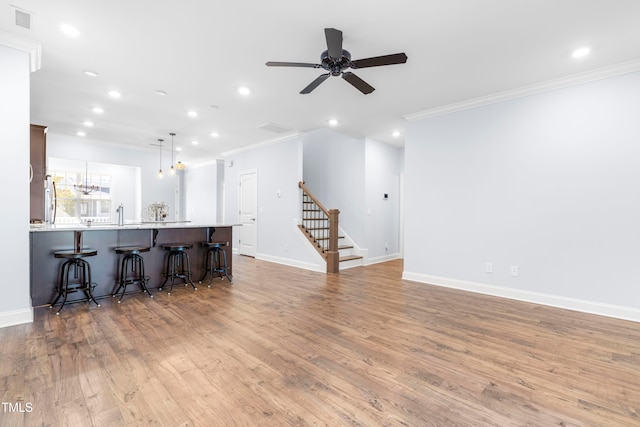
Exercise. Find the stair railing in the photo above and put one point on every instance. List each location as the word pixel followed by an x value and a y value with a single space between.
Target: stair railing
pixel 321 227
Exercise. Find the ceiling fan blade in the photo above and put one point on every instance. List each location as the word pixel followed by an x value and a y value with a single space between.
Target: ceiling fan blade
pixel 334 42
pixel 314 84
pixel 376 61
pixel 292 64
pixel 358 83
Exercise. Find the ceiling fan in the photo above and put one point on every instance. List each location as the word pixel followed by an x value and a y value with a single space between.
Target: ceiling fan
pixel 336 60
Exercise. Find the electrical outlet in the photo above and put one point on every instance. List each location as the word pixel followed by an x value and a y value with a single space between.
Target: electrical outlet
pixel 386 246
pixel 488 267
pixel 515 270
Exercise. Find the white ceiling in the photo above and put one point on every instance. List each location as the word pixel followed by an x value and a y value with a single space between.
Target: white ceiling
pixel 201 51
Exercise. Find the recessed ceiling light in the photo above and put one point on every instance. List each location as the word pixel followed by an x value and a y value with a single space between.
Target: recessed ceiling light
pixel 581 52
pixel 114 94
pixel 192 113
pixel 90 73
pixel 333 122
pixel 243 90
pixel 396 134
pixel 178 148
pixel 194 142
pixel 215 134
pixel 88 123
pixel 80 133
pixel 69 30
pixel 97 110
pixel 161 92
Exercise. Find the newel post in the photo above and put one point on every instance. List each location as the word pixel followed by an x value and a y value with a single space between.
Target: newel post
pixel 333 257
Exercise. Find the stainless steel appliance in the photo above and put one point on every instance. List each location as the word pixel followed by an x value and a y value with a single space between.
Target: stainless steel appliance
pixel 49 200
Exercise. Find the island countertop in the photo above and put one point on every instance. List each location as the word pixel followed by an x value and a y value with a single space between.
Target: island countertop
pixel 127 226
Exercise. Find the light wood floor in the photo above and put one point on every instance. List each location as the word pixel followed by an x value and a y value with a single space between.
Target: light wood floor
pixel 288 347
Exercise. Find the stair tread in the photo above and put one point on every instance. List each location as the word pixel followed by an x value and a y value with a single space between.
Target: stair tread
pixel 349 258
pixel 345 247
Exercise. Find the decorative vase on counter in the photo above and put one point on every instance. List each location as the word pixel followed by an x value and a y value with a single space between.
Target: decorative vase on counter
pixel 155 212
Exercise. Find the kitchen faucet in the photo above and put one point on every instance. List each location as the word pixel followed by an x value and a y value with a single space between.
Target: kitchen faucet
pixel 120 211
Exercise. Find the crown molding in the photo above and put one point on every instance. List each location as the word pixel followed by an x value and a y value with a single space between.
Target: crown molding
pixel 563 82
pixel 260 145
pixel 32 47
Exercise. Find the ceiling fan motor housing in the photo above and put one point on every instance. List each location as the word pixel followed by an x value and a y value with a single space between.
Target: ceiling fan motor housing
pixel 335 66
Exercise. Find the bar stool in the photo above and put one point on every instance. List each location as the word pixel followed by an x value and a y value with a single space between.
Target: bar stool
pixel 178 265
pixel 81 272
pixel 131 269
pixel 214 263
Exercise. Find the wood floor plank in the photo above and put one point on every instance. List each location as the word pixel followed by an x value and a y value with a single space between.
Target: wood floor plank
pixel 288 347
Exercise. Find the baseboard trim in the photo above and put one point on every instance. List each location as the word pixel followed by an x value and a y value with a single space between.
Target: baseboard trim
pixel 16 317
pixel 585 306
pixel 292 263
pixel 379 259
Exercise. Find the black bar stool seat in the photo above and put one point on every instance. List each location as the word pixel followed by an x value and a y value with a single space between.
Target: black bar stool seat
pixel 81 269
pixel 131 269
pixel 214 263
pixel 178 265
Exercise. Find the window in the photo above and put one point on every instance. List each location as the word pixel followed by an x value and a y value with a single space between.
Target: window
pixel 73 205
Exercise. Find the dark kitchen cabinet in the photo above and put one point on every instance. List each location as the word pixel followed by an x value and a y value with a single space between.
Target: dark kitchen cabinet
pixel 38 166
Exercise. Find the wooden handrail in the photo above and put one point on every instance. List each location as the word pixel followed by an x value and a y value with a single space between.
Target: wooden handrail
pixel 313 198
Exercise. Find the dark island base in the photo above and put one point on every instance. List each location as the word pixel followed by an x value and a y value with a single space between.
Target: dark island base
pixel 104 266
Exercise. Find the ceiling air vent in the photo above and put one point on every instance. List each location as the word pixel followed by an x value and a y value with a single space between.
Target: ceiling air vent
pixel 23 18
pixel 272 127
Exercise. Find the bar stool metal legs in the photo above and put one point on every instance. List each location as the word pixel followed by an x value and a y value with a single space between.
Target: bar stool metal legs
pixel 178 265
pixel 131 270
pixel 81 271
pixel 214 262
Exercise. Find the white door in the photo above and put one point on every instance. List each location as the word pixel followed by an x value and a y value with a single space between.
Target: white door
pixel 248 202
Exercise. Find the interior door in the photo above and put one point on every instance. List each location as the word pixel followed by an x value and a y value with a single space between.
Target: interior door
pixel 248 210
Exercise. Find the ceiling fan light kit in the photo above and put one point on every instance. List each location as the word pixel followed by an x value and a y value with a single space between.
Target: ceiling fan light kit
pixel 336 61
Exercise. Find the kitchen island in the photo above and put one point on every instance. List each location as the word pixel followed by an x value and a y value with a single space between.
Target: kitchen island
pixel 45 239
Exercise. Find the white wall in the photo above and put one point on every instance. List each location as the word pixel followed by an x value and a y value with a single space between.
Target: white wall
pixel 15 304
pixel 279 169
pixel 220 190
pixel 334 171
pixel 383 165
pixel 201 193
pixel 152 189
pixel 547 183
pixel 352 175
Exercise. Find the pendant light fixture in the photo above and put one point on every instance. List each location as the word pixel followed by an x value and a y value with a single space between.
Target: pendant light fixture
pixel 160 170
pixel 172 170
pixel 86 188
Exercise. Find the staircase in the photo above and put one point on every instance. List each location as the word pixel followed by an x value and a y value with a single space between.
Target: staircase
pixel 320 226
